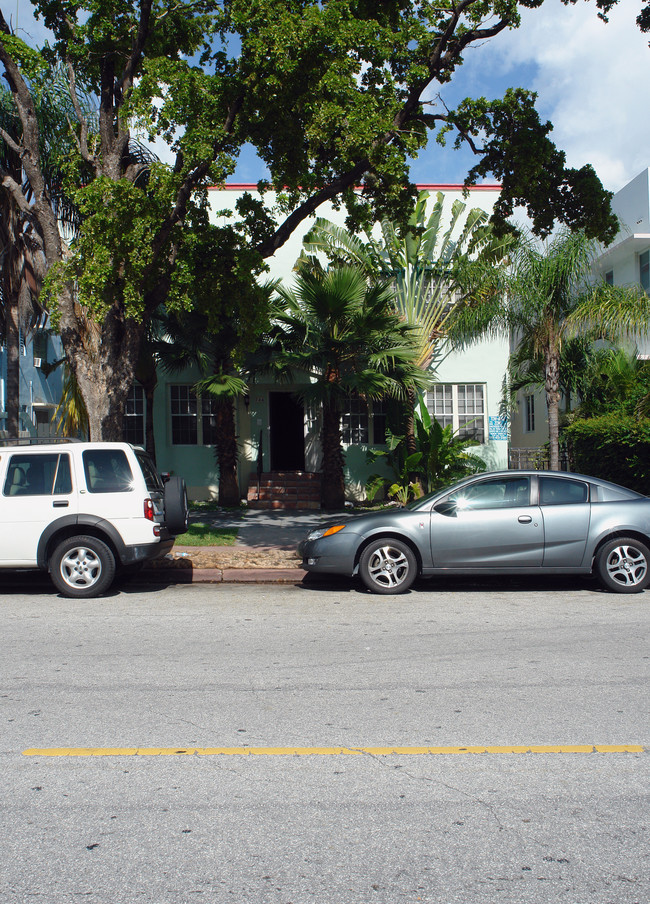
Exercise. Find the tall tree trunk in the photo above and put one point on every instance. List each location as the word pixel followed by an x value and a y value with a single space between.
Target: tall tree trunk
pixel 409 436
pixel 552 387
pixel 333 482
pixel 104 378
pixel 12 339
pixel 226 453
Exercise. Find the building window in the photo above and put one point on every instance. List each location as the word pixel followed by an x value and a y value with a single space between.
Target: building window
pixel 461 405
pixel 644 270
pixel 609 277
pixel 440 402
pixel 184 416
pixel 209 421
pixel 133 427
pixel 379 423
pixel 354 421
pixel 529 414
pixel 193 418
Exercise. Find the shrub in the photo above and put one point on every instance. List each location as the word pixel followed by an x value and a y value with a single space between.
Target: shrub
pixel 615 447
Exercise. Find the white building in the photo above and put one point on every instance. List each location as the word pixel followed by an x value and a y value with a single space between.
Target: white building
pixel 625 262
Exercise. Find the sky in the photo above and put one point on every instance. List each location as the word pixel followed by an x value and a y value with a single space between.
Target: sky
pixel 592 81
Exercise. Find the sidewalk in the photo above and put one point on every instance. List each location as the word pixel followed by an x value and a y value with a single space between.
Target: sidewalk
pixel 265 544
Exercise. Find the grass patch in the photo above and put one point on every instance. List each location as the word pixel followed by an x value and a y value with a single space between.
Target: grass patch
pixel 211 505
pixel 207 535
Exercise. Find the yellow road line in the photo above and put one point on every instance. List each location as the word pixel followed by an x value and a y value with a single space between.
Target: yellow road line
pixel 326 751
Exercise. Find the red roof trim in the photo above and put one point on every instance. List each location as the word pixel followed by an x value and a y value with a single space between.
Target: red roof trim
pixel 252 186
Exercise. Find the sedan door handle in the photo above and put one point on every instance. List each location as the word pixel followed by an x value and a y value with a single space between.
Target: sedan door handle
pixel 524 519
pixel 61 503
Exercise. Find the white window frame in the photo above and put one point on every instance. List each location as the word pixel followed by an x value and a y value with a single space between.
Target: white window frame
pixel 355 422
pixel 199 408
pixel 463 405
pixel 134 410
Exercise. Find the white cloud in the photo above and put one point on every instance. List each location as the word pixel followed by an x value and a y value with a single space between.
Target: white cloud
pixel 592 80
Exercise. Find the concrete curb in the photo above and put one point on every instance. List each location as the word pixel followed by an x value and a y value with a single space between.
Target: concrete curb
pixel 223 575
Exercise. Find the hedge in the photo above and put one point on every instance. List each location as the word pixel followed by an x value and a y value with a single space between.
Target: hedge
pixel 615 447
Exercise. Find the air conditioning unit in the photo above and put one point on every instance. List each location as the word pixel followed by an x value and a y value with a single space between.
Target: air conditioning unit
pixel 38 362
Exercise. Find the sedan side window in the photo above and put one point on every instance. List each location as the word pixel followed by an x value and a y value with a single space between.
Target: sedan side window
pixel 561 491
pixel 502 492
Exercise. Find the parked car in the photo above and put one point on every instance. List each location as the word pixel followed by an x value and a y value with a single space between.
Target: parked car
pixel 85 512
pixel 508 522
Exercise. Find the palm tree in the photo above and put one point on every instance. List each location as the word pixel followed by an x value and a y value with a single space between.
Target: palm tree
pixel 346 338
pixel 420 261
pixel 544 299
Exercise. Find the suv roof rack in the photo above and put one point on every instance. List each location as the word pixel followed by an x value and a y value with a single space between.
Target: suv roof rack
pixel 39 440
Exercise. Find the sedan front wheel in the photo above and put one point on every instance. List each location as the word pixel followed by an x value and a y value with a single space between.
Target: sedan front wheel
pixel 388 566
pixel 623 565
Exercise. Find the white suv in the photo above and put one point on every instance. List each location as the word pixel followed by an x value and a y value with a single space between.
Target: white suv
pixel 85 512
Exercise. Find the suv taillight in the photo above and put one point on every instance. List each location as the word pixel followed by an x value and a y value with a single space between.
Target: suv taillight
pixel 148 510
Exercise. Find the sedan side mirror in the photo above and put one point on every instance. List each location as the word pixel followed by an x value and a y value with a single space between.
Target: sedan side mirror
pixel 447 507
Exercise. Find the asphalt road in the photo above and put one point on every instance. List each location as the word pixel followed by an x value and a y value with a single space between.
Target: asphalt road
pixel 103 703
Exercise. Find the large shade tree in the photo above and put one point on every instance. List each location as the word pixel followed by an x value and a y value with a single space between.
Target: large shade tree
pixel 545 298
pixel 334 97
pixel 22 264
pixel 343 335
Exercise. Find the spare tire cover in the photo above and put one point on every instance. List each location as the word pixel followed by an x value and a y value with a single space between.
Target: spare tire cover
pixel 176 508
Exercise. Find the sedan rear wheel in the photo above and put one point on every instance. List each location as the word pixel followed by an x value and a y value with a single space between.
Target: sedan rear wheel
pixel 388 566
pixel 623 565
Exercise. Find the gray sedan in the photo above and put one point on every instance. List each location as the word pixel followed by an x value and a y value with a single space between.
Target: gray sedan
pixel 507 522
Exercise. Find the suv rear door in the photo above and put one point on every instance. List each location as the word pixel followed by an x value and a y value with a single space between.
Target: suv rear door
pixel 37 489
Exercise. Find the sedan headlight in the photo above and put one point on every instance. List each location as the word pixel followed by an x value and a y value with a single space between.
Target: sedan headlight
pixel 325 532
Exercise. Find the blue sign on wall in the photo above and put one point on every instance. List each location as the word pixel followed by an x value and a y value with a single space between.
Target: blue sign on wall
pixel 498 427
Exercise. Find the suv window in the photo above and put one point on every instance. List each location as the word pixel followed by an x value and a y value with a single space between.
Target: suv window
pixel 151 476
pixel 107 471
pixel 560 491
pixel 38 475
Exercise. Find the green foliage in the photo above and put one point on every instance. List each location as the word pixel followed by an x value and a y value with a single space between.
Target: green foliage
pixel 441 458
pixel 420 260
pixel 345 336
pixel 545 300
pixel 612 380
pixel 615 447
pixel 532 171
pixel 445 455
pixel 332 95
pixel 401 487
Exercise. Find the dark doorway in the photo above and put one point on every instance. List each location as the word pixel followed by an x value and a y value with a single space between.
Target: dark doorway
pixel 287 421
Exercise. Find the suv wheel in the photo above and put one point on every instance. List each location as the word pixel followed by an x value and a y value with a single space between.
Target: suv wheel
pixel 82 567
pixel 176 507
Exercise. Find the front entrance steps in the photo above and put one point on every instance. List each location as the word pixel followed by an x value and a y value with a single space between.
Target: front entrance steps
pixel 284 490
